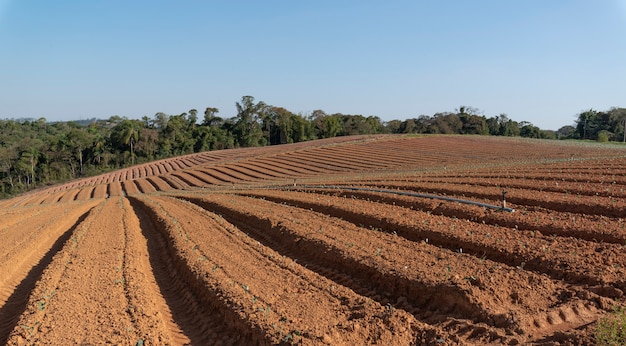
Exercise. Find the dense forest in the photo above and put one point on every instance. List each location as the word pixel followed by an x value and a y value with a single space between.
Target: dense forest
pixel 34 153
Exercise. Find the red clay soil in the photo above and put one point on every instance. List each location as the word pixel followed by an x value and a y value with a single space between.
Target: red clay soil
pixel 309 244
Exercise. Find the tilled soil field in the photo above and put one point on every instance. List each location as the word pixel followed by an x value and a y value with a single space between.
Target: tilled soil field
pixel 390 240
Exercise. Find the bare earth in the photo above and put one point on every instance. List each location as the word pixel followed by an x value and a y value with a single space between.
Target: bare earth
pixel 311 244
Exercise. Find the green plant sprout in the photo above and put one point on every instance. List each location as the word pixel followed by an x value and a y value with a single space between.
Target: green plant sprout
pixel 611 329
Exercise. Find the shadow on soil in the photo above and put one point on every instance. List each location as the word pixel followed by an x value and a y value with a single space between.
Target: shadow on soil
pixel 16 304
pixel 185 293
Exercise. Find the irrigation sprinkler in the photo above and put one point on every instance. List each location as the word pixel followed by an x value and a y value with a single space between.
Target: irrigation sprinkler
pixel 503 199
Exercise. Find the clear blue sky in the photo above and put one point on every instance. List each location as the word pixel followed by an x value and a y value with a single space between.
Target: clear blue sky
pixel 535 60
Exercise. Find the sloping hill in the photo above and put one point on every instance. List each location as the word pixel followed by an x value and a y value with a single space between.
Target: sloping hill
pixel 310 161
pixel 312 243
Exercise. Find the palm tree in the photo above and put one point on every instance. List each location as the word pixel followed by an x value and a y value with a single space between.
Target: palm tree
pixel 98 149
pixel 130 135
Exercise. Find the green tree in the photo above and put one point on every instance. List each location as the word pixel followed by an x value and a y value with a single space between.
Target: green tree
pixel 211 118
pixel 325 126
pixel 393 126
pixel 617 121
pixel 130 137
pixel 78 141
pixel 448 123
pixel 587 124
pixel 410 126
pixel 529 130
pixel 247 125
pixel 302 128
pixel 8 158
pixel 126 135
pixel 98 148
pixel 567 132
pixel 160 121
pixel 507 127
pixel 192 118
pixel 178 134
pixel 474 124
pixel 148 146
pixel 282 130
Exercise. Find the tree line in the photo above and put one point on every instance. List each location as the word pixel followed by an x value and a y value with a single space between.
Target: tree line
pixel 34 153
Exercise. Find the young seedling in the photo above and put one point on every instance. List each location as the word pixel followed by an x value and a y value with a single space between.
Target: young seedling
pixel 611 330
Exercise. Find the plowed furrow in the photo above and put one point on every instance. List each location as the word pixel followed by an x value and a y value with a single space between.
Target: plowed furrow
pixel 176 294
pixel 151 170
pixel 256 175
pixel 100 191
pixel 209 157
pixel 115 189
pixel 82 289
pixel 596 205
pixel 277 168
pixel 20 235
pixel 178 164
pixel 183 162
pixel 312 156
pixel 116 176
pixel 377 264
pixel 144 186
pixel 43 199
pixel 256 289
pixel 174 182
pixel 167 165
pixel 84 193
pixel 206 178
pixel 568 168
pixel 194 308
pixel 160 184
pixel 27 261
pixel 142 172
pixel 233 175
pixel 188 179
pixel 369 155
pixel 251 246
pixel 586 189
pixel 15 303
pixel 52 198
pixel 69 196
pixel 372 155
pixel 129 187
pixel 193 160
pixel 339 157
pixel 173 164
pixel 24 200
pixel 186 162
pixel 13 216
pixel 398 152
pixel 326 166
pixel 108 178
pixel 573 260
pixel 159 168
pixel 587 178
pixel 212 173
pixel 587 227
pixel 385 285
